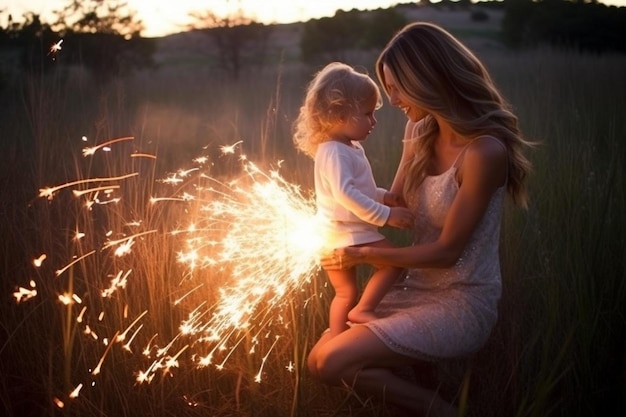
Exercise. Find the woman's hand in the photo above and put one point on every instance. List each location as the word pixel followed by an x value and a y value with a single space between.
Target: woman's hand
pixel 342 258
pixel 393 200
pixel 400 218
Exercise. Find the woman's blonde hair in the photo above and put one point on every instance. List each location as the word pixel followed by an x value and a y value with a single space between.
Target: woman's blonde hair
pixel 335 93
pixel 439 74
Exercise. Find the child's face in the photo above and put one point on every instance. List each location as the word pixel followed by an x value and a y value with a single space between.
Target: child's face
pixel 360 124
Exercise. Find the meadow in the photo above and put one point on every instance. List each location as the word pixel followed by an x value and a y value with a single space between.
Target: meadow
pixel 558 348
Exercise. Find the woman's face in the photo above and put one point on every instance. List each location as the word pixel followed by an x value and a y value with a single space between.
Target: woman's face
pixel 398 99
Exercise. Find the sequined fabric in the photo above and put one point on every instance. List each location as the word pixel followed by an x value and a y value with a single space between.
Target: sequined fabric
pixel 435 313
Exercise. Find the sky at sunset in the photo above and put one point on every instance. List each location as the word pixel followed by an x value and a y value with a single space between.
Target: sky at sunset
pixel 162 17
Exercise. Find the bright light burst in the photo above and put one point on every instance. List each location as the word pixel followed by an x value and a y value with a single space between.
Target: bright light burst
pixel 266 237
pixel 246 243
pixel 259 233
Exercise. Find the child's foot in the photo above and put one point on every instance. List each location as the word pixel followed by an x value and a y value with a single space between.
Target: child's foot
pixel 361 316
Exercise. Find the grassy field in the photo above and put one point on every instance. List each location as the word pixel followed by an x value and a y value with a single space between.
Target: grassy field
pixel 558 348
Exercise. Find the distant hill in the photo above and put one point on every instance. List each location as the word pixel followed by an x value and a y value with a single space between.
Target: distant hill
pixel 193 47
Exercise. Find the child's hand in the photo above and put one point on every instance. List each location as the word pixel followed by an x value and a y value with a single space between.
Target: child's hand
pixel 393 200
pixel 401 218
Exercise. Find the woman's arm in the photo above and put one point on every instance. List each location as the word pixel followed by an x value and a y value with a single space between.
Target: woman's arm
pixel 394 197
pixel 483 171
pixel 407 155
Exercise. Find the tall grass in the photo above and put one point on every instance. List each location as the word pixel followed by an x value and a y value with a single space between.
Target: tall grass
pixel 557 348
pixel 562 309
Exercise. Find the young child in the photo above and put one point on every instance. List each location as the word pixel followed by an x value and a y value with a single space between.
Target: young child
pixel 337 114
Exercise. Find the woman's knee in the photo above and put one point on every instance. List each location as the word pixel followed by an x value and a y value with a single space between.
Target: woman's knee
pixel 312 358
pixel 329 367
pixel 311 363
pixel 337 360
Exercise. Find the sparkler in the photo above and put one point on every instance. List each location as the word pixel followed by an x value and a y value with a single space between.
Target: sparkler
pixel 260 232
pixel 248 242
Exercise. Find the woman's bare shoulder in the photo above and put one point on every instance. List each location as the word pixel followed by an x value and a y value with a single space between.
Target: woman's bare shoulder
pixel 487 148
pixel 487 157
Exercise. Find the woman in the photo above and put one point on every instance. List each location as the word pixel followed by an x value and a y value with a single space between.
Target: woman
pixel 462 152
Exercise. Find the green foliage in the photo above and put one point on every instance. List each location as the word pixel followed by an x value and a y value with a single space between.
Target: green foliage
pixel 380 26
pixel 330 38
pixel 452 4
pixel 592 26
pixel 479 15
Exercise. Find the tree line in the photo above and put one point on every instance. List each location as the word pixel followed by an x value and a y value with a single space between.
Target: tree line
pixel 584 25
pixel 101 35
pixel 105 35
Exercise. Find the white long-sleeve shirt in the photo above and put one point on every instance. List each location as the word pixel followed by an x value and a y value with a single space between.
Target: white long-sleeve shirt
pixel 349 203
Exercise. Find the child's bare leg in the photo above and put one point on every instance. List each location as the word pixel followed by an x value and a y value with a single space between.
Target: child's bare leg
pixel 346 291
pixel 376 288
pixel 361 316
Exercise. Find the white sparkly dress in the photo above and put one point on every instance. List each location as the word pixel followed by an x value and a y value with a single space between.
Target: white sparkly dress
pixel 434 313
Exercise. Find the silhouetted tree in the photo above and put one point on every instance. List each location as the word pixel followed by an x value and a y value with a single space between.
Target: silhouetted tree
pixel 582 25
pixel 104 36
pixel 99 16
pixel 479 15
pixel 33 39
pixel 381 25
pixel 236 36
pixel 515 22
pixel 329 38
pixel 101 35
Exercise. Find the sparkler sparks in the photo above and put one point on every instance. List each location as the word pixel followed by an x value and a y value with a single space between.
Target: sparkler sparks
pixel 48 192
pixel 23 294
pixel 39 261
pixel 54 49
pixel 245 243
pixel 105 146
pixel 226 149
pixel 74 394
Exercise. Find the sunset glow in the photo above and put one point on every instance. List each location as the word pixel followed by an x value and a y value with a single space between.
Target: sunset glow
pixel 163 17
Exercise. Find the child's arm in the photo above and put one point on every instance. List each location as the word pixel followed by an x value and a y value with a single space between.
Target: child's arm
pixel 393 200
pixel 343 184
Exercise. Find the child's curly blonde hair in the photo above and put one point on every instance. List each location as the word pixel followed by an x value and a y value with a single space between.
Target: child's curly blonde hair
pixel 335 93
